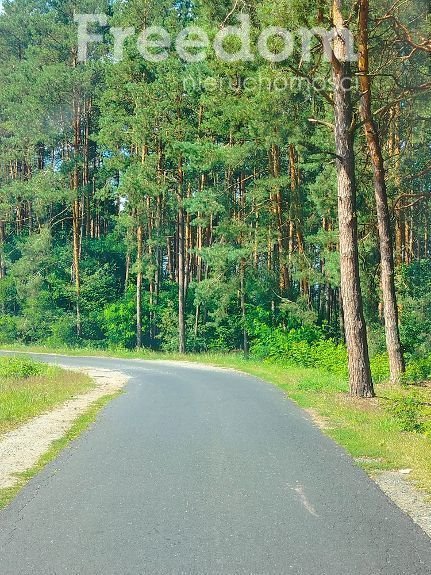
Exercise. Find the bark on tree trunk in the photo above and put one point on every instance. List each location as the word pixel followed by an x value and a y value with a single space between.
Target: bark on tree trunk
pixel 181 268
pixel 2 258
pixel 139 237
pixel 275 167
pixel 76 207
pixel 76 272
pixel 354 323
pixel 243 308
pixel 390 309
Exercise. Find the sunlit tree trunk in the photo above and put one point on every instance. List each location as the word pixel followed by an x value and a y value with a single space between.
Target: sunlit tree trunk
pixel 354 323
pixel 139 246
pixel 76 211
pixel 181 265
pixel 390 309
pixel 243 308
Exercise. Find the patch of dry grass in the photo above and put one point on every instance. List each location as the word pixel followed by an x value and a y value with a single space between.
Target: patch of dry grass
pixel 22 398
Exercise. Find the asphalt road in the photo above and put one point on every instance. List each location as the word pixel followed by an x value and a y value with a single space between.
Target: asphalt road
pixel 204 471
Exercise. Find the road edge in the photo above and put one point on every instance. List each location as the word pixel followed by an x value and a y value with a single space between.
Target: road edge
pixel 55 429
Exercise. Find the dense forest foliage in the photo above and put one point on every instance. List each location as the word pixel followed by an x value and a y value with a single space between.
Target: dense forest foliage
pixel 193 206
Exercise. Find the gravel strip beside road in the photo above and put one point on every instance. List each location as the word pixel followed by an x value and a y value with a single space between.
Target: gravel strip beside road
pixel 407 497
pixel 21 448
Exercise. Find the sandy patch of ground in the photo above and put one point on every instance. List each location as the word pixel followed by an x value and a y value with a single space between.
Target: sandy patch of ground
pixel 406 496
pixel 21 448
pixel 321 421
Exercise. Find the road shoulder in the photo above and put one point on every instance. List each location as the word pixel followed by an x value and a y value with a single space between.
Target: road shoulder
pixel 23 447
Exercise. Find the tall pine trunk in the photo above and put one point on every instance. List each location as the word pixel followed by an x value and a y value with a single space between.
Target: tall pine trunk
pixel 76 210
pixel 361 384
pixel 76 230
pixel 139 242
pixel 393 342
pixel 245 341
pixel 181 265
pixel 2 258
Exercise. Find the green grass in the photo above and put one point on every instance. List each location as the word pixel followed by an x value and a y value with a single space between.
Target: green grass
pixel 20 367
pixel 28 389
pixel 368 429
pixel 79 352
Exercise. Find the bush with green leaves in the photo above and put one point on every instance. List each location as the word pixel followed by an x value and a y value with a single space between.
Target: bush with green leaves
pixel 8 329
pixel 418 370
pixel 299 347
pixel 408 412
pixel 380 367
pixel 20 367
pixel 168 334
pixel 331 356
pixel 414 296
pixel 63 332
pixel 119 323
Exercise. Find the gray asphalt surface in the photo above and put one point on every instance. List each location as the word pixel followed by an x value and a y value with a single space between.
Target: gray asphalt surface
pixel 198 471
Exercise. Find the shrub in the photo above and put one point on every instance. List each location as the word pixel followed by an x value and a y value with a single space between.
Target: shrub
pixel 414 296
pixel 291 349
pixel 418 370
pixel 8 329
pixel 119 323
pixel 380 367
pixel 331 356
pixel 63 332
pixel 20 367
pixel 168 324
pixel 407 411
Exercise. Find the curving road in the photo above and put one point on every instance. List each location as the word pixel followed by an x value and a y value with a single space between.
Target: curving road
pixel 197 470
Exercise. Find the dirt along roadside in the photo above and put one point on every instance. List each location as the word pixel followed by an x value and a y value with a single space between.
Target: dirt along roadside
pixel 407 496
pixel 21 448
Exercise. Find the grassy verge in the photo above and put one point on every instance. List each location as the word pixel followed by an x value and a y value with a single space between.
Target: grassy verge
pixel 28 388
pixel 90 351
pixel 391 431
